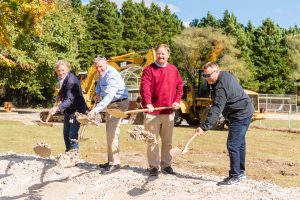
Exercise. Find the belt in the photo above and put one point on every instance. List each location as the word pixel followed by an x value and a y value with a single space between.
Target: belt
pixel 119 100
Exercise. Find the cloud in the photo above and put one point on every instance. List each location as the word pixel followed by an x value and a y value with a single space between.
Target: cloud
pixel 186 23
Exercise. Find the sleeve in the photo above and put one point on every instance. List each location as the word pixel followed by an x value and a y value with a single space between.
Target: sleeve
pixel 215 110
pixel 109 94
pixel 72 90
pixel 179 88
pixel 145 90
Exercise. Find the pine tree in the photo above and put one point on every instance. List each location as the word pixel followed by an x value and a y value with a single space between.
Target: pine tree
pixel 134 21
pixel 105 31
pixel 270 58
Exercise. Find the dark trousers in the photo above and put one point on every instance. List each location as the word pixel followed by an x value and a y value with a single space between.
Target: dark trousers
pixel 236 146
pixel 71 128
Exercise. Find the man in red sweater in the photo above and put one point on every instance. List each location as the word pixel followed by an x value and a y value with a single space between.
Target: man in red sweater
pixel 161 85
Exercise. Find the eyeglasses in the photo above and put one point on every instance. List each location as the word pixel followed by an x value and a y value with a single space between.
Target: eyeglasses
pixel 208 75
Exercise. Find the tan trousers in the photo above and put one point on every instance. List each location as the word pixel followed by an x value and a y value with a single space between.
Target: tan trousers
pixel 113 132
pixel 160 125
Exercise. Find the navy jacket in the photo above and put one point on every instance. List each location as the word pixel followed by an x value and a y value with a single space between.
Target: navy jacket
pixel 230 99
pixel 71 96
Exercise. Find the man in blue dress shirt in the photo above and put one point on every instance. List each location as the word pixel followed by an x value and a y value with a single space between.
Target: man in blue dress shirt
pixel 114 94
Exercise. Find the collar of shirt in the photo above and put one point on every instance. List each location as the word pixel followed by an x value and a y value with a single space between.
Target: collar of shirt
pixel 107 69
pixel 158 65
pixel 61 81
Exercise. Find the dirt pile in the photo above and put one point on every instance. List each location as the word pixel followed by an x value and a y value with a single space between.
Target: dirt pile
pixel 33 177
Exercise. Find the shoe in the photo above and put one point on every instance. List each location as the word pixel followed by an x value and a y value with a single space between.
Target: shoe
pixel 242 176
pixel 229 181
pixel 153 172
pixel 168 170
pixel 110 168
pixel 104 165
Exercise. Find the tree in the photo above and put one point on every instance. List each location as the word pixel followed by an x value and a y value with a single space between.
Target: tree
pixel 270 58
pixel 200 45
pixel 24 15
pixel 104 29
pixel 134 21
pixel 33 78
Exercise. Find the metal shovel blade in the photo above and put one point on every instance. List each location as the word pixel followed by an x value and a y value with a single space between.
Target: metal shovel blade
pixel 116 113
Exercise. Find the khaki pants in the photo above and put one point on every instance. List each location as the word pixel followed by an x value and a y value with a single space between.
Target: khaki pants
pixel 160 125
pixel 113 132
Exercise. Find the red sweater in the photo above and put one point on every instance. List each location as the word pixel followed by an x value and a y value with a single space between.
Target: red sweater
pixel 161 86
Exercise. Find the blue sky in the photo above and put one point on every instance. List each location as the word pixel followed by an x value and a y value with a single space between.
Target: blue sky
pixel 284 13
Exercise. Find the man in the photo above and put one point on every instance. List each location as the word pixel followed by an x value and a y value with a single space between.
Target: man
pixel 229 99
pixel 111 88
pixel 161 85
pixel 72 101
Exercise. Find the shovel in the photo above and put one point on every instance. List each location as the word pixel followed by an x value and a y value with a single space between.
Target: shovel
pixel 120 114
pixel 177 150
pixel 42 123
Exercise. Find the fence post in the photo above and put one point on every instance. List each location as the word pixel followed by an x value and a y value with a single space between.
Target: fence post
pixel 289 118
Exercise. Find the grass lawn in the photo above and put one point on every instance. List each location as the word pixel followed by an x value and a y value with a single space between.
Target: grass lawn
pixel 271 155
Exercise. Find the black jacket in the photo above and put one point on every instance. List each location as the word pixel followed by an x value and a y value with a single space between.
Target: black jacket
pixel 71 96
pixel 229 99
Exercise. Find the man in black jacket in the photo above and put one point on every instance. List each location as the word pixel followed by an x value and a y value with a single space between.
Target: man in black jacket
pixel 229 99
pixel 72 101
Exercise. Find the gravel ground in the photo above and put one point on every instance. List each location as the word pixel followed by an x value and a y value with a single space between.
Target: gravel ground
pixel 32 177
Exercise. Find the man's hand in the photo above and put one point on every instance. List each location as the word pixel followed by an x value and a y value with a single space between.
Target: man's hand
pixel 150 107
pixel 175 106
pixel 91 114
pixel 199 131
pixel 53 110
pixel 96 98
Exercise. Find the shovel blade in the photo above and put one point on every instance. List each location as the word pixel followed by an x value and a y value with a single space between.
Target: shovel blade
pixel 117 113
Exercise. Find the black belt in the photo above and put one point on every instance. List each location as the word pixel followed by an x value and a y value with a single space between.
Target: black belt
pixel 119 100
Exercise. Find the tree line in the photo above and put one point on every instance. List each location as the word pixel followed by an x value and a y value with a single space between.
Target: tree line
pixel 265 59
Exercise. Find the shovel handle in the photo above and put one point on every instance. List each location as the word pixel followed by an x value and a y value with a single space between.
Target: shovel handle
pixel 191 139
pixel 146 109
pixel 49 115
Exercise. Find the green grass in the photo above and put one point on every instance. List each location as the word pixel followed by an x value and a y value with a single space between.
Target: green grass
pixel 277 123
pixel 271 155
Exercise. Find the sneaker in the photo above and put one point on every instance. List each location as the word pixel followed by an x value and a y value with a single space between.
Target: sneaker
pixel 168 170
pixel 242 176
pixel 229 181
pixel 104 165
pixel 110 168
pixel 153 172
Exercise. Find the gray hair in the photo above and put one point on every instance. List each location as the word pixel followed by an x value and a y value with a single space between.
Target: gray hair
pixel 62 62
pixel 99 58
pixel 163 46
pixel 212 65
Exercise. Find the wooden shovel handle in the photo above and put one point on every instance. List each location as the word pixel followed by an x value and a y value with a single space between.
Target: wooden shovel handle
pixel 146 109
pixel 49 115
pixel 191 139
